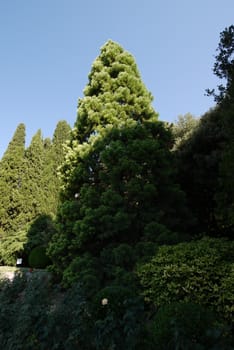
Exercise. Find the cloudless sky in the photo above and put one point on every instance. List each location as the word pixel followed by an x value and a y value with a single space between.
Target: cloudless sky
pixel 48 46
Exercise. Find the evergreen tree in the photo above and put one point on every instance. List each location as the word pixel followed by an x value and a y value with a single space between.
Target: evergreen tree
pixel 118 185
pixel 11 174
pixel 33 179
pixel 60 138
pixel 206 158
pixel 224 69
pixel 114 96
pixel 54 158
pixel 198 168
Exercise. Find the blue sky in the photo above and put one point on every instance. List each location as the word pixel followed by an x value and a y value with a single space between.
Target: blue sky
pixel 48 46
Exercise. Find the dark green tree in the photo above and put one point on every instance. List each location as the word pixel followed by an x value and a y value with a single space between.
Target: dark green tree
pixel 198 168
pixel 206 158
pixel 224 66
pixel 54 158
pixel 45 156
pixel 33 179
pixel 60 138
pixel 224 69
pixel 118 183
pixel 11 174
pixel 12 230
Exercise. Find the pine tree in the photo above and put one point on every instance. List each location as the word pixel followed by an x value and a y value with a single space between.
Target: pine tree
pixel 118 186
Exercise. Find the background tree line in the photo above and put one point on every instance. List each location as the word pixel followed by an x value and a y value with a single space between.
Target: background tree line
pixel 29 184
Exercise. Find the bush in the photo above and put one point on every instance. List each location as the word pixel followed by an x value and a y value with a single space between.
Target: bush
pixel 85 270
pixel 38 258
pixel 35 314
pixel 118 318
pixel 199 271
pixel 188 326
pixel 24 312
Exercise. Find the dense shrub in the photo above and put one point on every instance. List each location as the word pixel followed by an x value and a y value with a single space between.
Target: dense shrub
pixel 118 315
pixel 35 314
pixel 85 270
pixel 187 326
pixel 69 323
pixel 38 258
pixel 200 272
pixel 23 314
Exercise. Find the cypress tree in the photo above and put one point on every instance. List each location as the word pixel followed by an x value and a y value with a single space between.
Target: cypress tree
pixel 33 179
pixel 43 184
pixel 12 196
pixel 54 158
pixel 11 173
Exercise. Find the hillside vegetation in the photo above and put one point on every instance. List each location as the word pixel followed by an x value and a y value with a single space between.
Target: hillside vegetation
pixel 126 221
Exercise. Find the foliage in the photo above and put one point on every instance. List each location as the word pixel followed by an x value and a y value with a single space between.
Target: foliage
pixel 198 162
pixel 54 158
pixel 38 258
pixel 69 321
pixel 224 65
pixel 85 270
pixel 118 318
pixel 33 178
pixel 39 232
pixel 12 247
pixel 199 271
pixel 224 196
pixel 188 326
pixel 118 177
pixel 29 191
pixel 205 159
pixel 11 179
pixel 120 221
pixel 183 128
pixel 38 315
pixel 23 307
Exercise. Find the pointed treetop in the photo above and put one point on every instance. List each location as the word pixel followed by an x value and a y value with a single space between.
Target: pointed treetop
pixel 115 94
pixel 17 144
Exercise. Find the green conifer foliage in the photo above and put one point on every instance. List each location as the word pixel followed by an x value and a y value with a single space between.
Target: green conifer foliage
pixel 60 137
pixel 117 179
pixel 35 158
pixel 11 174
pixel 115 94
pixel 54 158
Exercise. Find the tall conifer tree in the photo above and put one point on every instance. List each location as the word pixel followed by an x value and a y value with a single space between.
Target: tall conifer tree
pixel 117 179
pixel 54 158
pixel 33 184
pixel 11 174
